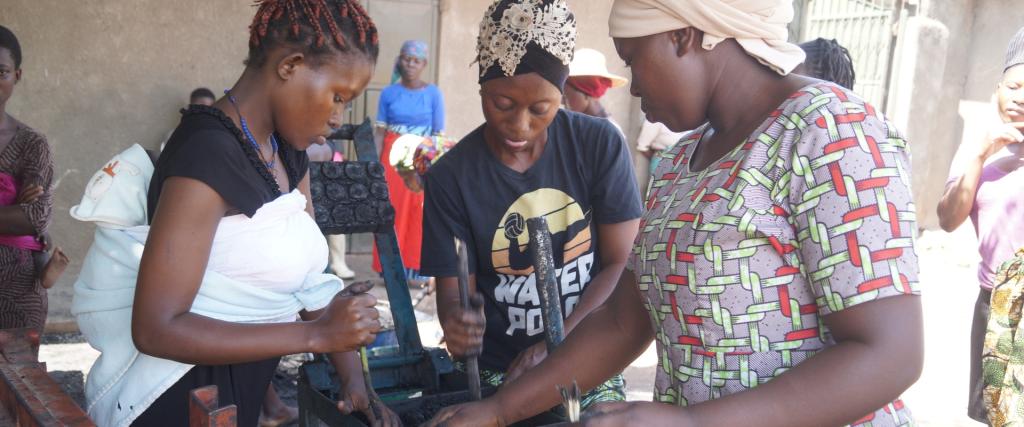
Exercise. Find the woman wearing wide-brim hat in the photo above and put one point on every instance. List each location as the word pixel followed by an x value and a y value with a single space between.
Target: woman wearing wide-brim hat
pixel 588 81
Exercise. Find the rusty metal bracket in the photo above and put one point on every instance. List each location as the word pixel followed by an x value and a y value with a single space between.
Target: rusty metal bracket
pixel 203 410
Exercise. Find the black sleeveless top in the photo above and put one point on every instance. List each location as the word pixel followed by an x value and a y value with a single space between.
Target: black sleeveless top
pixel 207 146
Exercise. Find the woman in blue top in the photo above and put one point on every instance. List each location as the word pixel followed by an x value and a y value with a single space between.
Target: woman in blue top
pixel 409 105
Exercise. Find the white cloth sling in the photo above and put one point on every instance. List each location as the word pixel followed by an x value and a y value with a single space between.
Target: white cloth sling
pixel 262 269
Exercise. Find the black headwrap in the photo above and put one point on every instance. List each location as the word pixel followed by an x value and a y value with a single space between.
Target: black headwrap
pixel 548 48
pixel 536 60
pixel 1015 51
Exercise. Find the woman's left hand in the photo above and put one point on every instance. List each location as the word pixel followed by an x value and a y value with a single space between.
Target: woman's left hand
pixel 648 414
pixel 527 359
pixel 357 399
pixel 412 181
pixel 29 194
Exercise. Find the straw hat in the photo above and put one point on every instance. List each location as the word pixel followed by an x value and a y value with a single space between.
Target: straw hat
pixel 589 62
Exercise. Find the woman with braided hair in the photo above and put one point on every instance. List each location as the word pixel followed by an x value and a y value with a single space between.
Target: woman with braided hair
pixel 231 252
pixel 827 60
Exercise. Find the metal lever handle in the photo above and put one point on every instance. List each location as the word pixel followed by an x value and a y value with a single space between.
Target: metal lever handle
pixel 472 365
pixel 547 283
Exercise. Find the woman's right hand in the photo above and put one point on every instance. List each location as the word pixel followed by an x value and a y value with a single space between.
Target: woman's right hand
pixel 350 321
pixel 958 198
pixel 1000 136
pixel 464 328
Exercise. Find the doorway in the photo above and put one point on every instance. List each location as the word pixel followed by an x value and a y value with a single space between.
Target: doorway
pixel 397 21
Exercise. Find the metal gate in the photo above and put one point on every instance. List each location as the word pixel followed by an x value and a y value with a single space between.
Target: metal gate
pixel 867 28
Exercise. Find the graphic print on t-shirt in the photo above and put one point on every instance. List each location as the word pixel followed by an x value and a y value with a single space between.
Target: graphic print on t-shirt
pixel 517 284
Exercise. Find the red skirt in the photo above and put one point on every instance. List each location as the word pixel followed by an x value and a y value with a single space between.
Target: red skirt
pixel 408 211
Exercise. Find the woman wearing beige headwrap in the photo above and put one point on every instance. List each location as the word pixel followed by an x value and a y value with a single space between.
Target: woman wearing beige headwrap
pixel 775 267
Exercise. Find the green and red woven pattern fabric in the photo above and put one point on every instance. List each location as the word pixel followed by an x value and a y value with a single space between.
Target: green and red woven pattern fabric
pixel 739 262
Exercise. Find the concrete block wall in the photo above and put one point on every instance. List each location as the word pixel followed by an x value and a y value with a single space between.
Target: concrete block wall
pixel 102 75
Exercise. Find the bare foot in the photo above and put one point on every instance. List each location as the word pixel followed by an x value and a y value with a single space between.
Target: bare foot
pixel 284 416
pixel 275 412
pixel 54 268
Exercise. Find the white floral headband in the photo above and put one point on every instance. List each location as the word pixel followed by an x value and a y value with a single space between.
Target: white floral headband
pixel 504 41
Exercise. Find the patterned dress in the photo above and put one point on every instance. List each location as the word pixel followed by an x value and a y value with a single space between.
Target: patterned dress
pixel 22 297
pixel 1003 354
pixel 739 262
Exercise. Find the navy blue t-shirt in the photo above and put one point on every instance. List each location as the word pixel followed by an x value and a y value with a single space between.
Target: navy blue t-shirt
pixel 583 178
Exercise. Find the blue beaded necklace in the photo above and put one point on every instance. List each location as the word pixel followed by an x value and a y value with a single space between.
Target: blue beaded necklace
pixel 252 140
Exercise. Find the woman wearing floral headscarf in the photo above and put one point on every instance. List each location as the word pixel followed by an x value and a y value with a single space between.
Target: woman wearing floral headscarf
pixel 529 159
pixel 409 106
pixel 774 267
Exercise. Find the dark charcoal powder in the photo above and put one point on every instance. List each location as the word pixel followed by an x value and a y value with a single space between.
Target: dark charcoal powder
pixel 375 170
pixel 379 190
pixel 350 197
pixel 342 214
pixel 316 190
pixel 428 408
pixel 358 191
pixel 321 213
pixel 355 171
pixel 386 212
pixel 332 170
pixel 336 192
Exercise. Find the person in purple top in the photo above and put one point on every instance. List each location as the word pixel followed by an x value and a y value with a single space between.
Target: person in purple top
pixel 984 185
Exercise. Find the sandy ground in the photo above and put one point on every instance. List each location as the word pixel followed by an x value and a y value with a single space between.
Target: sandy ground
pixel 938 399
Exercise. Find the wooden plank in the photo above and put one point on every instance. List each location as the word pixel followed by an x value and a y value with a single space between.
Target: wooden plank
pixel 30 397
